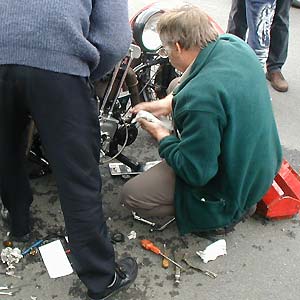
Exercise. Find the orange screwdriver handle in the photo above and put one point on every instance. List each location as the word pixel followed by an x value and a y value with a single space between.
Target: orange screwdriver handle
pixel 146 244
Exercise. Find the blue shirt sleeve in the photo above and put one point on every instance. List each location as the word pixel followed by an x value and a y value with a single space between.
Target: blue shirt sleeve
pixel 110 33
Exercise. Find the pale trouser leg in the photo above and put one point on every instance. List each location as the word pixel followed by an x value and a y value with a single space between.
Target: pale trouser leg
pixel 260 15
pixel 152 192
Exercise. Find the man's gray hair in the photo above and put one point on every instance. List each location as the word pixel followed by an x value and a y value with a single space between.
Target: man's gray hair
pixel 187 25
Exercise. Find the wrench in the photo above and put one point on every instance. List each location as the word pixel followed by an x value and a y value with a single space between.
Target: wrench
pixel 157 227
pixel 138 218
pixel 7 293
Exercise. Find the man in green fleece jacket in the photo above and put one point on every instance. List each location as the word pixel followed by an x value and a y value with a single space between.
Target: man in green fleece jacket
pixel 225 151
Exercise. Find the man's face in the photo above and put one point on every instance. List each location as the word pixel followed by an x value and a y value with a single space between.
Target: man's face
pixel 174 56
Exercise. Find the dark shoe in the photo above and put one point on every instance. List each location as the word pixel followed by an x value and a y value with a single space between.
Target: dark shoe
pixel 7 221
pixel 126 272
pixel 296 3
pixel 5 215
pixel 225 230
pixel 19 239
pixel 277 80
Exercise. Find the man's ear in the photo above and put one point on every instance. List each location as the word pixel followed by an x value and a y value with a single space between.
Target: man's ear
pixel 178 47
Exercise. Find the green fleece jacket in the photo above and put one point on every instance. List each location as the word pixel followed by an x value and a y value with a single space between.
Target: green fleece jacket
pixel 228 150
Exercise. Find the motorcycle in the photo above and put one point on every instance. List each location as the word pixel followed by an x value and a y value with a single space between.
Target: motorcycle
pixel 142 75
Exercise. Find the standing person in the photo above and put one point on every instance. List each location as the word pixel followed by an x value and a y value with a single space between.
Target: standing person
pixel 49 51
pixel 278 50
pixel 296 3
pixel 226 151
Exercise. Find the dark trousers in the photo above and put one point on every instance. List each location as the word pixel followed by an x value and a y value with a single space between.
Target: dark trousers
pixel 237 25
pixel 64 111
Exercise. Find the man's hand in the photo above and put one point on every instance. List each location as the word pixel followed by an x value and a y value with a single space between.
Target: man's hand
pixel 158 108
pixel 157 131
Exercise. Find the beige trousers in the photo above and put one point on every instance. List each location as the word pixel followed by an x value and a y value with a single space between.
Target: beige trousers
pixel 152 192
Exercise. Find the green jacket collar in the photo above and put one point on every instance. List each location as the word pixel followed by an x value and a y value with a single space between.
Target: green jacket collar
pixel 198 64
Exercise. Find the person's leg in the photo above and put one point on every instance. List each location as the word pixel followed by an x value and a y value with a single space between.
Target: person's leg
pixel 279 45
pixel 152 192
pixel 237 22
pixel 65 114
pixel 16 194
pixel 259 19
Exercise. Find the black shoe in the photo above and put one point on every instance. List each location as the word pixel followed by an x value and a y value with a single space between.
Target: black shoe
pixel 5 215
pixel 20 239
pixel 7 221
pixel 126 272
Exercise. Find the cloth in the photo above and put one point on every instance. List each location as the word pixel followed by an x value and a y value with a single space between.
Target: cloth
pixel 278 50
pixel 67 36
pixel 65 113
pixel 229 150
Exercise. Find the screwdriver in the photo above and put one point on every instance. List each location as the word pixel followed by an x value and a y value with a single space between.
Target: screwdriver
pixel 148 245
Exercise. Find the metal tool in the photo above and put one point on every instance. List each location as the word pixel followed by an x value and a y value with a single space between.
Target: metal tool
pixel 7 293
pixel 2 288
pixel 177 256
pixel 138 218
pixel 204 271
pixel 36 244
pixel 148 245
pixel 117 237
pixel 157 227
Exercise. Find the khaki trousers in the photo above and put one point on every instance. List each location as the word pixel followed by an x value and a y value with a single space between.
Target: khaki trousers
pixel 152 192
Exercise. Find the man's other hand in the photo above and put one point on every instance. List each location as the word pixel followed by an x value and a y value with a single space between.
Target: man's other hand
pixel 154 129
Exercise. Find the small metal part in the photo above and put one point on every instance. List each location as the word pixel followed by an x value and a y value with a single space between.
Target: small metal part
pixel 7 293
pixel 33 252
pixel 138 218
pixel 3 288
pixel 36 244
pixel 177 276
pixel 162 227
pixel 8 243
pixel 118 237
pixel 10 273
pixel 204 271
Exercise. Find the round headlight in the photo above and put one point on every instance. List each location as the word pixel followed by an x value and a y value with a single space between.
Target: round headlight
pixel 144 29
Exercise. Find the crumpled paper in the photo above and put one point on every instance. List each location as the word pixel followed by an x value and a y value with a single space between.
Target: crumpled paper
pixel 212 251
pixel 132 235
pixel 10 257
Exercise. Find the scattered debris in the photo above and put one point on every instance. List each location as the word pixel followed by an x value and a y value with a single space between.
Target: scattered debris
pixel 2 288
pixel 132 235
pixel 11 256
pixel 117 237
pixel 212 251
pixel 199 269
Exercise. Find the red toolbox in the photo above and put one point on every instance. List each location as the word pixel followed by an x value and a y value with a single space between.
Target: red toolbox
pixel 282 200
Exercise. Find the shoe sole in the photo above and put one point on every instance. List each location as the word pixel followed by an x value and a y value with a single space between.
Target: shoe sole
pixel 123 288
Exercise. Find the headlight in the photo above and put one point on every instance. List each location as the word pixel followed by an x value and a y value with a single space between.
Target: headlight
pixel 144 29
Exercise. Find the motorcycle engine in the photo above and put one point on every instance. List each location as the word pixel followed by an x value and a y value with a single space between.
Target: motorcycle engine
pixel 109 126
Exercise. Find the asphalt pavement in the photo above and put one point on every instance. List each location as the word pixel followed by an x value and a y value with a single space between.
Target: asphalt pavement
pixel 263 257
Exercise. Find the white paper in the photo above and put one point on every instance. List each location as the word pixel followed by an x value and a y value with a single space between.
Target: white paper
pixel 212 251
pixel 55 259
